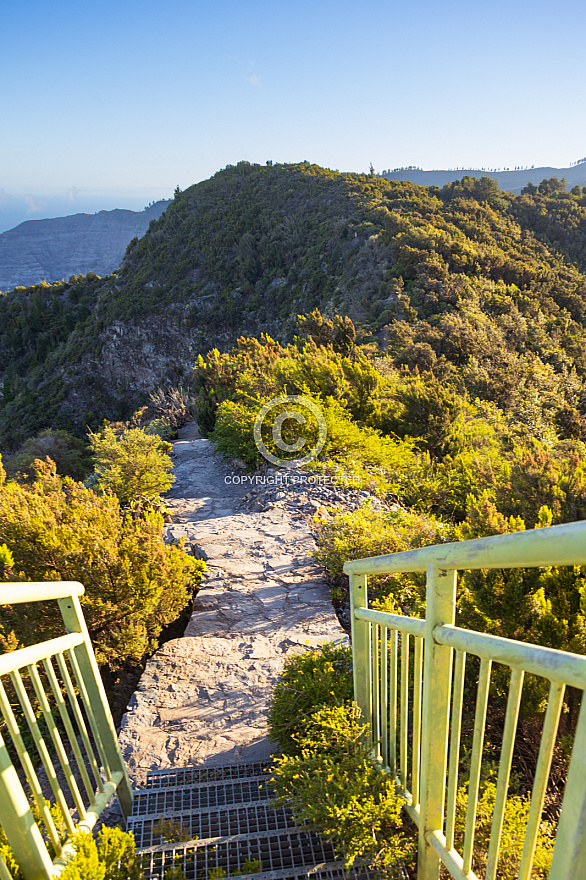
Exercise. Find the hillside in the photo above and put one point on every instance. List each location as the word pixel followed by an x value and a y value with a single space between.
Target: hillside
pixel 466 278
pixel 49 250
pixel 513 181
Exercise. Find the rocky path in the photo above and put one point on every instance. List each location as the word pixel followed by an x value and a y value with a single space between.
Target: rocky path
pixel 203 698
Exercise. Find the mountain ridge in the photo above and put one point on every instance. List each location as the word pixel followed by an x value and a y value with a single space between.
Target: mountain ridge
pixel 50 250
pixel 468 281
pixel 511 181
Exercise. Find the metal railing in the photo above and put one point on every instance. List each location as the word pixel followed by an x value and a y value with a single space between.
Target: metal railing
pixel 412 700
pixel 56 714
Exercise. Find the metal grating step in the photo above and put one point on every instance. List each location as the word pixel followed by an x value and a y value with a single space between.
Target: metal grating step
pixel 175 801
pixel 223 822
pixel 175 778
pixel 289 853
pixel 211 823
pixel 328 871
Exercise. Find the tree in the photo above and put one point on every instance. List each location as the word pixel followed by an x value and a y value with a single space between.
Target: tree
pixel 134 466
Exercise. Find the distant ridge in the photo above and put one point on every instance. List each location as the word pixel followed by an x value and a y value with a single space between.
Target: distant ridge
pixel 513 181
pixel 50 250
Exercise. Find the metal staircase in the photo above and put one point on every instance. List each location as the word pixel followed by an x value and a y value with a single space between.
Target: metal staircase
pixel 221 822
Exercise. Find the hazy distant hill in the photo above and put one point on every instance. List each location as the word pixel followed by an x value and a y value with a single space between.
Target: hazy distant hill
pixel 49 250
pixel 512 181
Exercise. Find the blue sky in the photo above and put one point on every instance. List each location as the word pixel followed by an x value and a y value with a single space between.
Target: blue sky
pixel 113 104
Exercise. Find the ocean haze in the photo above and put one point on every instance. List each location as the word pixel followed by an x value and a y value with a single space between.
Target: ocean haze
pixel 44 204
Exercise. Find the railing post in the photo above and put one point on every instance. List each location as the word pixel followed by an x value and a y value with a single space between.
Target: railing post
pixel 361 651
pixel 74 622
pixel 19 824
pixel 437 679
pixel 569 855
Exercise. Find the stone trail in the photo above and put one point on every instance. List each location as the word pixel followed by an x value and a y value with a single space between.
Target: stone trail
pixel 202 699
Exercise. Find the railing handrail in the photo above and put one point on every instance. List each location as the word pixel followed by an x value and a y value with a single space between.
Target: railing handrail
pixel 436 724
pixel 35 653
pixel 550 663
pixel 38 591
pixel 564 666
pixel 79 687
pixel 537 548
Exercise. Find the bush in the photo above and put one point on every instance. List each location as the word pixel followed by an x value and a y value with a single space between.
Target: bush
pixel 113 857
pixel 173 405
pixel 356 453
pixel 135 584
pixel 71 455
pixel 513 836
pixel 310 680
pixel 366 532
pixel 134 466
pixel 161 428
pixel 333 785
pixel 6 853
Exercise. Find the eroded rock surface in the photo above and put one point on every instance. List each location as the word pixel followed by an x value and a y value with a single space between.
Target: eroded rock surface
pixel 203 698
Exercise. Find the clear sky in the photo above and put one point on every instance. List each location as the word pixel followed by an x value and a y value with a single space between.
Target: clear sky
pixel 113 103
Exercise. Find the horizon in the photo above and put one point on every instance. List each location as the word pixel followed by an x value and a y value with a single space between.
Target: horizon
pixel 127 102
pixel 51 206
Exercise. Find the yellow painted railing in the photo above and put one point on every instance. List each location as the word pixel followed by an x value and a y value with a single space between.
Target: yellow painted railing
pixel 57 694
pixel 412 699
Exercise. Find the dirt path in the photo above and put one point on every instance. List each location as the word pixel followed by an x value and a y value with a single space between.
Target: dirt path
pixel 203 698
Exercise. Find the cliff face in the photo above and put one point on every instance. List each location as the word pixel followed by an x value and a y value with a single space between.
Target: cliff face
pixel 49 250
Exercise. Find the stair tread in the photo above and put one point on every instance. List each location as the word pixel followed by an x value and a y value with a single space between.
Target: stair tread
pixel 245 818
pixel 182 799
pixel 199 843
pixel 285 850
pixel 229 813
pixel 325 871
pixel 196 776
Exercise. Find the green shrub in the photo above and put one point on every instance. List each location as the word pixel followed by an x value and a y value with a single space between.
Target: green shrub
pixel 6 853
pixel 366 532
pixel 135 584
pixel 513 836
pixel 71 456
pixel 310 680
pixel 134 466
pixel 175 406
pixel 161 428
pixel 352 453
pixel 113 857
pixel 332 784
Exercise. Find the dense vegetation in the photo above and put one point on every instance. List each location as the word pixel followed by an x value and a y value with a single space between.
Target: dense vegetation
pixel 461 467
pixel 442 336
pixel 326 773
pixel 327 776
pixel 477 285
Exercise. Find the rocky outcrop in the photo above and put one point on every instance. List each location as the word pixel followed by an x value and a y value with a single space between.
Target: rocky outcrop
pixel 49 250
